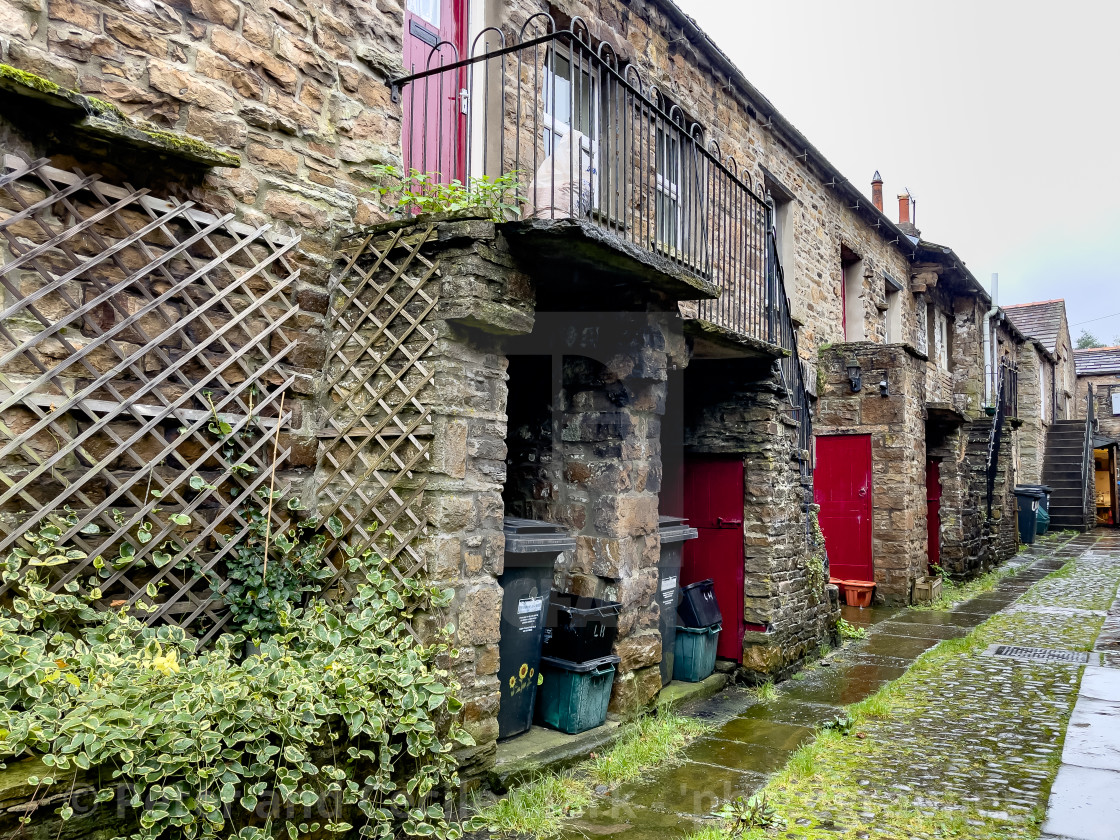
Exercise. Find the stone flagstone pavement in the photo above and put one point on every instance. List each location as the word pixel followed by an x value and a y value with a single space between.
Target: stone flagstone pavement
pixel 981 735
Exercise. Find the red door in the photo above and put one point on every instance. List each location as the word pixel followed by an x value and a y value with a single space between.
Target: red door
pixel 434 125
pixel 713 504
pixel 842 487
pixel 933 511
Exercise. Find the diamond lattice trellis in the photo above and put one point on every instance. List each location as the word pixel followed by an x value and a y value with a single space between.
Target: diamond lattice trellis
pixel 131 329
pixel 377 429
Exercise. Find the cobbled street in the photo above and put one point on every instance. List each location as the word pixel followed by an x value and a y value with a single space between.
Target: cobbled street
pixel 964 739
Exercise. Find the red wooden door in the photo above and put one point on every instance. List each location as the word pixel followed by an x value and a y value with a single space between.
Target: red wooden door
pixel 434 123
pixel 933 511
pixel 713 504
pixel 842 487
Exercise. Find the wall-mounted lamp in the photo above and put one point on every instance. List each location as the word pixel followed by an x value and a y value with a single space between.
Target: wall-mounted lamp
pixel 855 374
pixel 883 388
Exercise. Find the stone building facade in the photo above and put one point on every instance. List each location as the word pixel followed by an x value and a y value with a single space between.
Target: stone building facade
pixel 1100 367
pixel 573 370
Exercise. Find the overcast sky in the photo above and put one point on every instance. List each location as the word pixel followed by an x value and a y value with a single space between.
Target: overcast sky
pixel 1003 119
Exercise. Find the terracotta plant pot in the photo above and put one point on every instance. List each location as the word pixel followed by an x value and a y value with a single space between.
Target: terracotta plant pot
pixel 858 593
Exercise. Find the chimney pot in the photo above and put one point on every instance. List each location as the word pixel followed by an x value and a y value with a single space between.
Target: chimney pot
pixel 904 209
pixel 877 191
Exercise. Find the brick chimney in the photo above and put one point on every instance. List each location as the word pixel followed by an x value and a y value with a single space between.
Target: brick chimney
pixel 905 212
pixel 877 191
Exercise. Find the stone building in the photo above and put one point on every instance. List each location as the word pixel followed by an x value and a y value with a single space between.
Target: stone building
pixel 915 397
pixel 1098 369
pixel 1067 462
pixel 680 285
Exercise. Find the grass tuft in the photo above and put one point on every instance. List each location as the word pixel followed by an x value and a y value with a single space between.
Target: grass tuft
pixel 538 808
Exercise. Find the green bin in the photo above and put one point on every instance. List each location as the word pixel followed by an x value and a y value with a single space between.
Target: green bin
pixel 694 658
pixel 573 696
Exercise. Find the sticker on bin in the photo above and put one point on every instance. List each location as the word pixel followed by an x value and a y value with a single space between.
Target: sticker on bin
pixel 528 613
pixel 669 591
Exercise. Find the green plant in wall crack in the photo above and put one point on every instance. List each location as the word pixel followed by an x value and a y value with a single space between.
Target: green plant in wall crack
pixel 344 722
pixel 815 562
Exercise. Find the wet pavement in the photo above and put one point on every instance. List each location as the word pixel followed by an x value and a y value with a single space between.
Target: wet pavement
pixel 969 742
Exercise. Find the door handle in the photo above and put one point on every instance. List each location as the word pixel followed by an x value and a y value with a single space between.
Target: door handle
pixel 862 492
pixel 728 523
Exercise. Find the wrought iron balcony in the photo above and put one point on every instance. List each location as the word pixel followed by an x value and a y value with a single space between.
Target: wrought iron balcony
pixel 587 139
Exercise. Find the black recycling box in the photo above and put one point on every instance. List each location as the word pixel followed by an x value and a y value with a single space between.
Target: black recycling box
pixel 580 629
pixel 531 551
pixel 698 607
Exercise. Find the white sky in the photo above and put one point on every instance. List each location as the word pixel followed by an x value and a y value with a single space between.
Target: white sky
pixel 1003 119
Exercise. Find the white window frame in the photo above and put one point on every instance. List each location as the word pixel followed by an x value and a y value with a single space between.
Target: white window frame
pixel 553 131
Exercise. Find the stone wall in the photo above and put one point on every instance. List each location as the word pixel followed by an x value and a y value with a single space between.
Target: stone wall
pixel 734 407
pixel 1105 385
pixel 296 89
pixel 1035 373
pixel 896 424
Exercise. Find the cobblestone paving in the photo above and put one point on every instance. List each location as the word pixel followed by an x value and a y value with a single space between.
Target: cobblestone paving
pixel 972 740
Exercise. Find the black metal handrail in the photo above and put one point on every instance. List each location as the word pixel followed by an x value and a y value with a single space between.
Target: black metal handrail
pixel 996 434
pixel 587 139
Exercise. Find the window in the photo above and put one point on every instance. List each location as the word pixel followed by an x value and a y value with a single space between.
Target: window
pixel 570 123
pixel 427 10
pixel 937 322
pixel 783 199
pixel 851 295
pixel 893 316
pixel 1116 403
pixel 680 224
pixel 669 189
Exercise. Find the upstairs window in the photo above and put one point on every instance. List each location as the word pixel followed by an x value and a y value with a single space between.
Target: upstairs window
pixel 851 295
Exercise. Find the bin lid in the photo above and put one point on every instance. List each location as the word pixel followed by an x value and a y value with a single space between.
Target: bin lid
pixel 1043 487
pixel 1028 492
pixel 675 529
pixel 530 536
pixel 581 667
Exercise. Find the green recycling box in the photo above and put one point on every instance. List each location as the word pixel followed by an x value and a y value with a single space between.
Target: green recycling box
pixel 695 654
pixel 573 696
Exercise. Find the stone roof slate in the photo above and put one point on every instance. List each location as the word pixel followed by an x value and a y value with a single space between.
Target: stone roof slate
pixel 1097 360
pixel 1041 320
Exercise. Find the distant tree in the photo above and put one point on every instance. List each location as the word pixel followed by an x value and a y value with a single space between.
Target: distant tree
pixel 1087 340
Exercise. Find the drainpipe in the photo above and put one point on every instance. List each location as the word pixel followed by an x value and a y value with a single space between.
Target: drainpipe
pixel 989 341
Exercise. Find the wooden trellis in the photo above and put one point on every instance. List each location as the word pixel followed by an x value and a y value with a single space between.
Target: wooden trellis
pixel 377 429
pixel 139 339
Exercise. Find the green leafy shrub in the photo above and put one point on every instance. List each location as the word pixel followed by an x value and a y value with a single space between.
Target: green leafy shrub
pixel 344 721
pixel 847 630
pixel 415 192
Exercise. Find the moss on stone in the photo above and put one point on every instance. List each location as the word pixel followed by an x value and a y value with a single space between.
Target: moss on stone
pixel 187 145
pixel 105 119
pixel 104 109
pixel 28 80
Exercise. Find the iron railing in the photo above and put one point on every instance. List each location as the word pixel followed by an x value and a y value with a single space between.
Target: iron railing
pixel 793 374
pixel 1009 395
pixel 581 136
pixel 1003 387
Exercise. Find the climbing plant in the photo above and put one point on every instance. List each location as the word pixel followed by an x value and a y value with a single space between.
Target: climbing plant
pixel 815 562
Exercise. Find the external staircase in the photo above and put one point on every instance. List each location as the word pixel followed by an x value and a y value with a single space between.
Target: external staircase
pixel 1067 469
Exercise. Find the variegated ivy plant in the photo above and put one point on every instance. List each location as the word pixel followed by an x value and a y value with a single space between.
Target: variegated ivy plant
pixel 344 722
